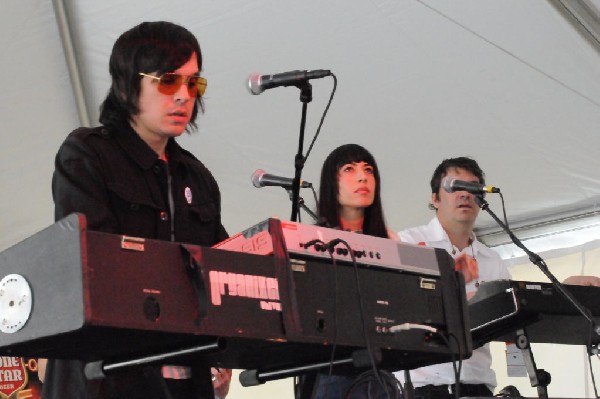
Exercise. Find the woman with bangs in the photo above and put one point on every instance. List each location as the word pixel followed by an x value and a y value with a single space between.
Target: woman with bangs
pixel 350 192
pixel 349 199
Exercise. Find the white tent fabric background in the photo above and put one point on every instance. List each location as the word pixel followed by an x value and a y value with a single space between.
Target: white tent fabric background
pixel 512 83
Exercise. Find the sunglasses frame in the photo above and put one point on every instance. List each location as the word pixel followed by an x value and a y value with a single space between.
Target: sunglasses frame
pixel 181 79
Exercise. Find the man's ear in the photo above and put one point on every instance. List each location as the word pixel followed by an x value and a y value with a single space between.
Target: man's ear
pixel 435 200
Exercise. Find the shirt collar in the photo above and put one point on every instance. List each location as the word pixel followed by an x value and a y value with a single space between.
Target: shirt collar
pixel 438 234
pixel 141 152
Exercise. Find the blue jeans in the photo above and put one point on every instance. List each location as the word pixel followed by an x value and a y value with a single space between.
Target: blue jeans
pixel 336 386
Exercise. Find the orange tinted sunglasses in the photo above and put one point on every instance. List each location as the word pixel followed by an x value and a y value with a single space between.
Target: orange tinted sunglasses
pixel 169 83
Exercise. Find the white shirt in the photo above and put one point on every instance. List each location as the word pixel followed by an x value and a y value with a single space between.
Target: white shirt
pixel 477 369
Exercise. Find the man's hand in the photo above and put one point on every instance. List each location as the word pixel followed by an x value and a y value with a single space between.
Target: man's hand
pixel 467 265
pixel 221 381
pixel 583 280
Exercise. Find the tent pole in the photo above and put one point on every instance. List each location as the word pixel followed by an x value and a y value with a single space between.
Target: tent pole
pixel 65 34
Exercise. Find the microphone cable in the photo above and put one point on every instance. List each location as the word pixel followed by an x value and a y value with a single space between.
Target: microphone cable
pixel 331 246
pixel 389 380
pixel 446 339
pixel 335 312
pixel 504 210
pixel 321 245
pixel 591 353
pixel 312 143
pixel 383 378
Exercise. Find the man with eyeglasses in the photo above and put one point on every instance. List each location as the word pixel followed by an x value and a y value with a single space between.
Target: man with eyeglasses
pixel 129 176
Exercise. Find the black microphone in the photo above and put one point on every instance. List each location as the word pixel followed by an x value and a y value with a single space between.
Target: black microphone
pixel 259 83
pixel 262 179
pixel 451 185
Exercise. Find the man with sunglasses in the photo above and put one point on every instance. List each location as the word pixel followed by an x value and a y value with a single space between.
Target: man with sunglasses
pixel 130 177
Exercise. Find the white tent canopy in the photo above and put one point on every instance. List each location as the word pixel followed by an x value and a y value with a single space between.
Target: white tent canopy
pixel 514 84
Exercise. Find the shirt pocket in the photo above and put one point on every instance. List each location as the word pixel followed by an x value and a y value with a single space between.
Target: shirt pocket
pixel 204 213
pixel 130 197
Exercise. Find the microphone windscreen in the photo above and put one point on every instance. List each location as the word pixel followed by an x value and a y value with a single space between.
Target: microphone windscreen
pixel 254 81
pixel 257 177
pixel 447 184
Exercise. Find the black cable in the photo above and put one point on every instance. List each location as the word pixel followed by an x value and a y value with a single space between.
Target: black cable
pixel 592 376
pixel 314 193
pixel 312 143
pixel 382 376
pixel 463 320
pixel 453 359
pixel 589 350
pixel 331 244
pixel 541 264
pixel 464 327
pixel 314 243
pixel 335 315
pixel 504 210
pixel 432 330
pixel 457 370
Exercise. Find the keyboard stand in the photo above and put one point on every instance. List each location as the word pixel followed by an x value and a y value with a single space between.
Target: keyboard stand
pixel 100 369
pixel 539 378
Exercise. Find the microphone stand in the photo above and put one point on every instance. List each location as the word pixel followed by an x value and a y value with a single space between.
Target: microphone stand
pixel 303 205
pixel 539 262
pixel 305 98
pixel 541 378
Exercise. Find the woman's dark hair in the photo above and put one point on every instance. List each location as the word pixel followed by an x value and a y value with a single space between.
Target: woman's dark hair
pixel 150 47
pixel 329 207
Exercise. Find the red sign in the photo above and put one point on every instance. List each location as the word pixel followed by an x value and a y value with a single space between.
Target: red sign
pixel 18 378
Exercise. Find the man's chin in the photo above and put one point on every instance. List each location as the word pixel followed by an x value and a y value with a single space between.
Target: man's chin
pixel 175 132
pixel 467 218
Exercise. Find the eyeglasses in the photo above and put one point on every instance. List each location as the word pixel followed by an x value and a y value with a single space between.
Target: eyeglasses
pixel 169 83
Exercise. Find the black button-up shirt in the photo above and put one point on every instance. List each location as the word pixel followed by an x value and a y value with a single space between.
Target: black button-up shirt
pixel 118 182
pixel 115 179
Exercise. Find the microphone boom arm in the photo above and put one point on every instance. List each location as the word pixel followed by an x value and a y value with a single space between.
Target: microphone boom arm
pixel 539 262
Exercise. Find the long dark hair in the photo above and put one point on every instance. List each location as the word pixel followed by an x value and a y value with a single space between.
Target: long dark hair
pixel 329 207
pixel 148 47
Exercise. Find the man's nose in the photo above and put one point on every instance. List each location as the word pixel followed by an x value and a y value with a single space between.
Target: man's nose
pixel 182 93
